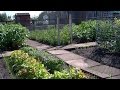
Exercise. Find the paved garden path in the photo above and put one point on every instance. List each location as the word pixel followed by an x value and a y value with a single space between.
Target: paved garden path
pixel 78 61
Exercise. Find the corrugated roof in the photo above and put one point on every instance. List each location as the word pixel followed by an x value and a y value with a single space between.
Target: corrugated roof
pixel 22 14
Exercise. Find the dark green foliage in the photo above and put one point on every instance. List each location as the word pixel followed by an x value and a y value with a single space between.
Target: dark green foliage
pixel 12 36
pixel 51 62
pixel 84 32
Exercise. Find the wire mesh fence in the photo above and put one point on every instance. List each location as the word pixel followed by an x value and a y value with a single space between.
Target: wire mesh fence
pixel 102 27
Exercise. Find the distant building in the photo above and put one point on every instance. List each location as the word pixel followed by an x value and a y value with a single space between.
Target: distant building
pixel 78 16
pixel 102 14
pixel 23 19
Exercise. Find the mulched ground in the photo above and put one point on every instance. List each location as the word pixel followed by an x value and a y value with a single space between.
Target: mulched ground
pixel 99 55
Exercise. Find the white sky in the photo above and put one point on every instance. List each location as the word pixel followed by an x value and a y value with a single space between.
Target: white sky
pixel 32 13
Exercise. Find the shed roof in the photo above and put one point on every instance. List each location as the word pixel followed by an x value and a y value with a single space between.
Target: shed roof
pixel 22 14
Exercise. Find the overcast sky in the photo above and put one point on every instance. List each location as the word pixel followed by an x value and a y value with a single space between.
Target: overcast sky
pixel 32 13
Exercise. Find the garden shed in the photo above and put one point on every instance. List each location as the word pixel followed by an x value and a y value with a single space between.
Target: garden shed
pixel 23 19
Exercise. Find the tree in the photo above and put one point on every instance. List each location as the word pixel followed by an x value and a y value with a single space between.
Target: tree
pixel 4 17
pixel 40 17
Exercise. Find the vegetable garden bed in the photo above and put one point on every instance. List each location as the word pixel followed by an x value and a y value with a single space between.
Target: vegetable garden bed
pixel 84 32
pixel 29 63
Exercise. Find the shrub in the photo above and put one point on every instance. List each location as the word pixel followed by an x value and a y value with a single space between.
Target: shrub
pixel 108 35
pixel 12 36
pixel 85 32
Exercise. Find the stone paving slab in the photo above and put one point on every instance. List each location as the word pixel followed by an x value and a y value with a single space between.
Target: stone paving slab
pixel 97 73
pixel 37 45
pixel 91 63
pixel 86 44
pixel 82 63
pixel 57 52
pixel 32 42
pixel 111 71
pixel 50 49
pixel 77 63
pixel 71 46
pixel 69 56
pixel 42 47
pixel 6 53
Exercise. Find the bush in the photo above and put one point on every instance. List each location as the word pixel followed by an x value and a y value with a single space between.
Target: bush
pixel 108 35
pixel 85 32
pixel 12 36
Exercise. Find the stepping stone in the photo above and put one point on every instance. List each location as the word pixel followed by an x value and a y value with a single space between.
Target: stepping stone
pixel 71 46
pixel 69 56
pixel 57 52
pixel 86 44
pixel 91 63
pixel 111 71
pixel 42 47
pixel 82 63
pixel 97 73
pixel 77 63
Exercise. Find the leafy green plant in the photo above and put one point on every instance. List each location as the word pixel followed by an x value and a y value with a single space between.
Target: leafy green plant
pixel 50 62
pixel 24 66
pixel 84 32
pixel 12 36
pixel 108 35
pixel 70 73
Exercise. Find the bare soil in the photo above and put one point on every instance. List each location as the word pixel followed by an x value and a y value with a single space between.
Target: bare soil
pixel 99 55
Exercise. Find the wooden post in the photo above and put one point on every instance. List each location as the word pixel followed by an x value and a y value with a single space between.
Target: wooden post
pixel 70 27
pixel 58 31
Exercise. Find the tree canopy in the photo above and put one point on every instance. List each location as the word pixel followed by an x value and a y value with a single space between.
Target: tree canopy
pixel 4 17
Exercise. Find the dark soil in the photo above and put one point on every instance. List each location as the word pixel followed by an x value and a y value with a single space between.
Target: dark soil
pixel 99 55
pixel 4 72
pixel 78 41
